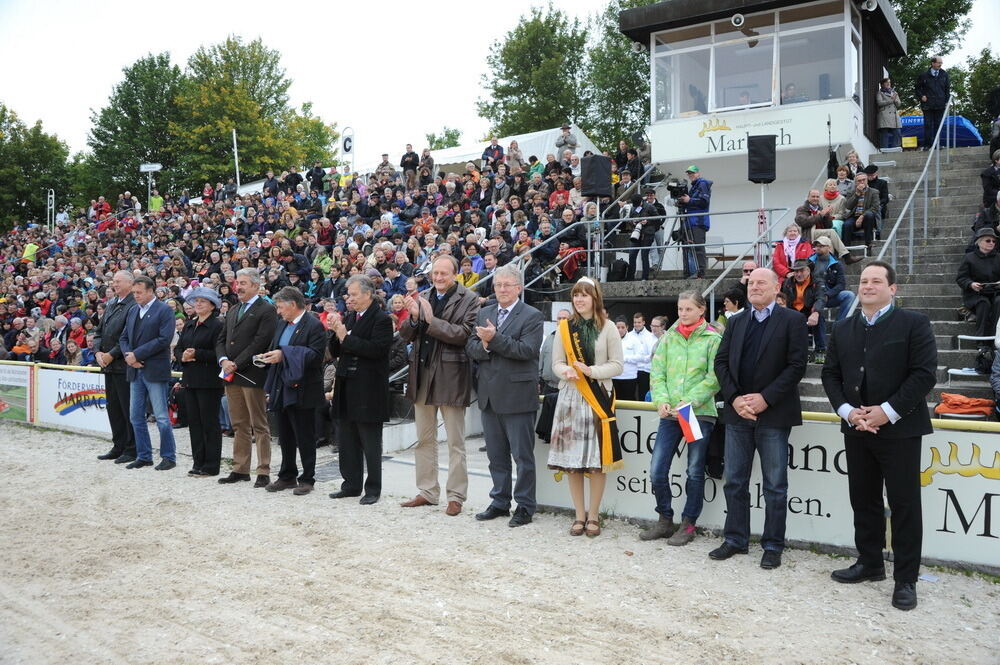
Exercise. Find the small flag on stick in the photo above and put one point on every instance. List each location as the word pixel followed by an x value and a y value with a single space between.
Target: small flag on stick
pixel 689 423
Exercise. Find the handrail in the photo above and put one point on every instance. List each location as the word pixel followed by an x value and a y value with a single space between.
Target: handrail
pixel 709 292
pixel 628 192
pixel 935 151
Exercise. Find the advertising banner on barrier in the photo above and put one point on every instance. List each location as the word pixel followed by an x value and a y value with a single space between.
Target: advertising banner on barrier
pixel 960 470
pixel 15 392
pixel 68 398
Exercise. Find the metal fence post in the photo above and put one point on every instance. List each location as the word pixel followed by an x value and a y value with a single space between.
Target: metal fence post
pixel 925 208
pixel 910 262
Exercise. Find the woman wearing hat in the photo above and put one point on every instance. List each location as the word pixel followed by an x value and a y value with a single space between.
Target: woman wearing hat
pixel 202 394
pixel 979 269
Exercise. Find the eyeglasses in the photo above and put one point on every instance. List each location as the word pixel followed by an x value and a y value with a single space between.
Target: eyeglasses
pixel 747 271
pixel 990 240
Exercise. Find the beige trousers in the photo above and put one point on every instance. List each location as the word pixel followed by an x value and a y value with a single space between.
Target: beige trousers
pixel 426 452
pixel 838 246
pixel 248 413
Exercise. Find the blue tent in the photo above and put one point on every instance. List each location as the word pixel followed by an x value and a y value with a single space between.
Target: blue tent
pixel 963 131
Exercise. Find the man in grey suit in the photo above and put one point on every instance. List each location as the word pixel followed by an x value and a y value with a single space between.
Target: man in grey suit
pixel 506 344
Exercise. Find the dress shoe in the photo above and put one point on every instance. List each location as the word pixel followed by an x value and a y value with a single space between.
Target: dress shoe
pixel 724 551
pixel 234 478
pixel 454 508
pixel 858 573
pixel 262 481
pixel 491 513
pixel 166 465
pixel 139 463
pixel 850 259
pixel 194 472
pixel 904 596
pixel 124 459
pixel 302 489
pixel 342 495
pixel 368 499
pixel 279 485
pixel 770 560
pixel 111 454
pixel 201 473
pixel 520 518
pixel 416 502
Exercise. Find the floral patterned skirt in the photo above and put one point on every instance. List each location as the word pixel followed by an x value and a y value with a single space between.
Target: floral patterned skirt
pixel 575 444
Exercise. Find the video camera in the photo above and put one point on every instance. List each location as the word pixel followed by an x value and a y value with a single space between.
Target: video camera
pixel 677 187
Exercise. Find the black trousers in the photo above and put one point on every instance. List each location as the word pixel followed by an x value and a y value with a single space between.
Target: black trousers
pixel 624 388
pixel 116 390
pixel 986 309
pixel 360 444
pixel 871 462
pixel 643 241
pixel 868 222
pixel 202 412
pixel 695 260
pixel 297 432
pixel 932 120
pixel 641 385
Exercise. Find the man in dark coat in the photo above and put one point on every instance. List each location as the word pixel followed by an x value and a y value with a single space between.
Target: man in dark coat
pixel 361 390
pixel 879 370
pixel 759 365
pixel 294 388
pixel 933 90
pixel 649 216
pixel 248 330
pixel 112 361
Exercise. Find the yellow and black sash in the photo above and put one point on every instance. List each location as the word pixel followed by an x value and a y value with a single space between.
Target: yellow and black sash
pixel 602 404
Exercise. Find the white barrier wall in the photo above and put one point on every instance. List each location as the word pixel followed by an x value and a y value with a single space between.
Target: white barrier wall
pixel 75 399
pixel 960 488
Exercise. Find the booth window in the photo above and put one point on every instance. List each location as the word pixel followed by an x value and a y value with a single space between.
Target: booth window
pixel 785 57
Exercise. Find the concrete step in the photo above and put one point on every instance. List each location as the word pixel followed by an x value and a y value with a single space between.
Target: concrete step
pixel 814 371
pixel 813 388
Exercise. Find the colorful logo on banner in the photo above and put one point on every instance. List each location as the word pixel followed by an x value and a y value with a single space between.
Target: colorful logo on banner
pixel 955 467
pixel 80 400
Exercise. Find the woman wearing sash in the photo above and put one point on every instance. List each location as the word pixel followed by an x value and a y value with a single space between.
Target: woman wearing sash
pixel 586 354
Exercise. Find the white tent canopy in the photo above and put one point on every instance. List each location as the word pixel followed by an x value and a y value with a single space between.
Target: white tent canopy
pixel 453 160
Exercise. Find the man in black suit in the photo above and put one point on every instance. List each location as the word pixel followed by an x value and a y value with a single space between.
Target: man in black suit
pixel 506 343
pixel 112 361
pixel 294 388
pixel 361 389
pixel 933 90
pixel 248 331
pixel 880 366
pixel 759 365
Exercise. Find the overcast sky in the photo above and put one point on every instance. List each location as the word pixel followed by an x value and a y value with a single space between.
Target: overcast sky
pixel 393 70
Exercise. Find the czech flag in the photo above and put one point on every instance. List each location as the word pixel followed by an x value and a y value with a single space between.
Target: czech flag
pixel 228 378
pixel 689 423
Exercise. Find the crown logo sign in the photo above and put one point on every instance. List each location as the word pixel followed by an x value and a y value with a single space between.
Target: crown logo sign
pixel 713 125
pixel 954 467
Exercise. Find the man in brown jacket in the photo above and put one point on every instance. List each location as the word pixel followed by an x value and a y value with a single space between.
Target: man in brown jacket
pixel 441 321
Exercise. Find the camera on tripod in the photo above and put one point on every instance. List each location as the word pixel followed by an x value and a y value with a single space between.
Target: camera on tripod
pixel 676 186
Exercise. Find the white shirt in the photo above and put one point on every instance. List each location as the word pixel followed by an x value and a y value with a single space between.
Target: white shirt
pixel 647 342
pixel 510 310
pixel 145 308
pixel 632 354
pixel 844 410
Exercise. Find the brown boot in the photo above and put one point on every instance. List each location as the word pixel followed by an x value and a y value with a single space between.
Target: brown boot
pixel 664 528
pixel 683 535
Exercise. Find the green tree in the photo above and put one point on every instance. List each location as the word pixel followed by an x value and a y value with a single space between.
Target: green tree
pixel 618 79
pixel 535 78
pixel 448 138
pixel 932 27
pixel 315 140
pixel 254 67
pixel 31 162
pixel 132 128
pixel 982 74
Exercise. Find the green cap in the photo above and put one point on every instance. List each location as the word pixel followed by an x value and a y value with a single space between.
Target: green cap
pixel 692 169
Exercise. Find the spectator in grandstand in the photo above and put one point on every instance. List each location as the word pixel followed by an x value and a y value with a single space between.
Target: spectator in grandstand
pixel 586 354
pixel 505 343
pixel 881 186
pixel 991 181
pixel 145 345
pixel 793 247
pixel 492 154
pixel 979 279
pixel 683 373
pixel 202 394
pixel 817 216
pixel 360 401
pixel 829 274
pixel 807 296
pixel 440 380
pixel 845 183
pixel 889 124
pixel 854 165
pixel 567 139
pixel 933 91
pixel 648 215
pixel 760 385
pixel 861 212
pixel 294 388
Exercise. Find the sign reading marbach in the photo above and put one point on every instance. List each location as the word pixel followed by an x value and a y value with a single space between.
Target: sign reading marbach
pixel 959 478
pixel 796 126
